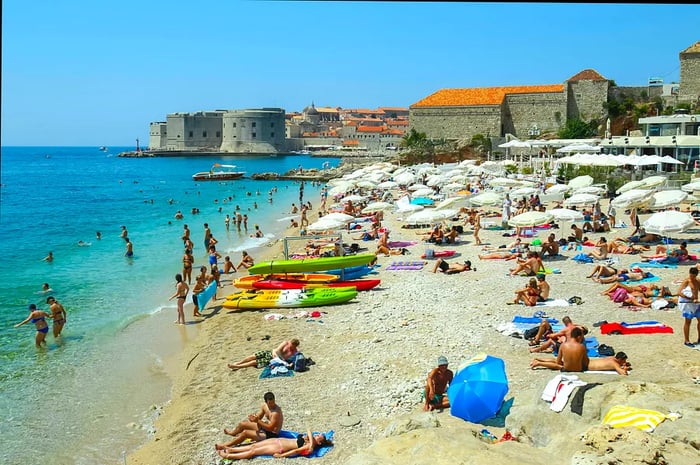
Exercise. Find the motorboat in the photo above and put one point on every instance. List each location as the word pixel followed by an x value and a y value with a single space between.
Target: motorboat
pixel 218 172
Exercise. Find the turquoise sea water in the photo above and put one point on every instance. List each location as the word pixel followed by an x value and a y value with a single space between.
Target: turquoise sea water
pixel 85 397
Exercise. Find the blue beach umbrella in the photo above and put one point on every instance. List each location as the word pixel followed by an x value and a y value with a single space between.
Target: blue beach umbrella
pixel 478 388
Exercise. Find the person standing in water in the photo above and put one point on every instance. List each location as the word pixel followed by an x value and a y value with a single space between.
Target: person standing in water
pixel 58 313
pixel 38 318
pixel 181 291
pixel 129 248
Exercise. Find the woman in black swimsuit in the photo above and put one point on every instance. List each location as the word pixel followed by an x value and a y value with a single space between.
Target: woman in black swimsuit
pixel 38 317
pixel 181 291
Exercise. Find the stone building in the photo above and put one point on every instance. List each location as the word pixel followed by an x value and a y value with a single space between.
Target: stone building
pixel 523 111
pixel 200 130
pixel 254 131
pixel 689 89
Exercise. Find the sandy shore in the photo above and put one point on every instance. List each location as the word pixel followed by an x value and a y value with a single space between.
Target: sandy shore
pixel 372 356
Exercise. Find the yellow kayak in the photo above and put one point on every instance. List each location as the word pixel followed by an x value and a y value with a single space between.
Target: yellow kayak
pixel 246 282
pixel 290 298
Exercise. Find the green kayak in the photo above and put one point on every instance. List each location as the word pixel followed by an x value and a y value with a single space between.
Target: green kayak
pixel 290 298
pixel 307 265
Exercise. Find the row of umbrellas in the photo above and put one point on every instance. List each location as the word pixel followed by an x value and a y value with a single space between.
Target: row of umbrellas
pixel 587 159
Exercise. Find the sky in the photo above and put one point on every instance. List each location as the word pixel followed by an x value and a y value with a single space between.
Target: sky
pixel 85 72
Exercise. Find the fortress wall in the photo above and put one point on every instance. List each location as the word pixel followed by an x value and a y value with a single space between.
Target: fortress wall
pixel 456 122
pixel 546 111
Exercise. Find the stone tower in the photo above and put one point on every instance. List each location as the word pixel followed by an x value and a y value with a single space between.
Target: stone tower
pixel 689 89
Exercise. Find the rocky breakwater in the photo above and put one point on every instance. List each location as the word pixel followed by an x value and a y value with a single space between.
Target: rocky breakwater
pixel 312 174
pixel 136 154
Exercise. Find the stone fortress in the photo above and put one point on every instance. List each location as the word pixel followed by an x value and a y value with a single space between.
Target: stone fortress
pixel 525 112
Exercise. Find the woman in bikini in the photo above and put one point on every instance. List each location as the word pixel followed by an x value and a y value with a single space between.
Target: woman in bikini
pixel 58 313
pixel 303 445
pixel 529 295
pixel 187 262
pixel 602 271
pixel 181 291
pixel 38 318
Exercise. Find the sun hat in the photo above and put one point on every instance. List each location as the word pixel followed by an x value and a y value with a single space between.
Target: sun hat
pixel 442 360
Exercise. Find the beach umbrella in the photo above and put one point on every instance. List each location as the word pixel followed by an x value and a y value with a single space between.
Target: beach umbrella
pixel 337 216
pixel 491 166
pixel 664 199
pixel 566 214
pixel 515 143
pixel 691 187
pixel 653 181
pixel 505 182
pixel 366 184
pixel 453 186
pixel 415 187
pixel 423 192
pixel 530 219
pixel 580 181
pixel 478 389
pixel 632 198
pixel 434 180
pixel 520 191
pixel 449 202
pixel 405 178
pixel 325 225
pixel 354 198
pixel 578 147
pixel 629 186
pixel 429 216
pixel 670 160
pixel 486 199
pixel 377 206
pixel 387 185
pixel 668 222
pixel 558 189
pixel 466 163
pixel 597 190
pixel 409 207
pixel 605 160
pixel 581 199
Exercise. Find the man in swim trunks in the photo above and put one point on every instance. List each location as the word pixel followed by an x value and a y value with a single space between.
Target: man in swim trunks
pixel 688 304
pixel 129 248
pixel 265 424
pixel 453 268
pixel 436 386
pixel 572 355
pixel 618 363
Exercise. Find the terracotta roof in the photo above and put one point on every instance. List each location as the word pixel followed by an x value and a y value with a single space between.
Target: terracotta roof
pixel 695 48
pixel 370 129
pixel 480 95
pixel 351 142
pixel 397 122
pixel 587 75
pixel 385 109
pixel 394 132
pixel 326 110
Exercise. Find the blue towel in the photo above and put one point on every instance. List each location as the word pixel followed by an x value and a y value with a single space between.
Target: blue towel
pixel 267 373
pixel 653 264
pixel 318 452
pixel 591 347
pixel 640 323
pixel 532 320
pixel 645 280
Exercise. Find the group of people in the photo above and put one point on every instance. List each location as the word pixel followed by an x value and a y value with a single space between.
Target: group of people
pixel 38 318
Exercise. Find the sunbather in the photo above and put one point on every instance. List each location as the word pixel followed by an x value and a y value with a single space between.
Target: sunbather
pixel 504 255
pixel 625 275
pixel 303 445
pixel 602 271
pixel 601 253
pixel 452 268
pixel 528 294
pixel 531 266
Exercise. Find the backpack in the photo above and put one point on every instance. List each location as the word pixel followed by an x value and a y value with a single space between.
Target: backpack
pixel 299 363
pixel 575 300
pixel 530 333
pixel 605 350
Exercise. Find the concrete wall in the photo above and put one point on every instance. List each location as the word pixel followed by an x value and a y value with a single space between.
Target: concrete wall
pixel 546 111
pixel 200 130
pixel 585 99
pixel 690 78
pixel 157 136
pixel 456 122
pixel 254 131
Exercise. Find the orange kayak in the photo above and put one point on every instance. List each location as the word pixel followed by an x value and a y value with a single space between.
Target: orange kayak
pixel 246 282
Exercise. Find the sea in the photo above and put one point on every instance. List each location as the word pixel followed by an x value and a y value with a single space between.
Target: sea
pixel 91 396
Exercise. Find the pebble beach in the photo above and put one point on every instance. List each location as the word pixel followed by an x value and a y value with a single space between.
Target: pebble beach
pixel 372 356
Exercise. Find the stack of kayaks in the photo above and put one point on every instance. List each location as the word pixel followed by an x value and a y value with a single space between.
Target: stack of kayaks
pixel 359 284
pixel 290 298
pixel 246 282
pixel 311 265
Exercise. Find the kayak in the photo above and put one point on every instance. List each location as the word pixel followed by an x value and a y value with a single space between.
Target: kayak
pixel 290 298
pixel 311 264
pixel 353 272
pixel 246 282
pixel 359 284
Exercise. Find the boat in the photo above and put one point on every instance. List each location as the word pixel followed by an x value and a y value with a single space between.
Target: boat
pixel 311 264
pixel 225 174
pixel 103 149
pixel 246 282
pixel 290 298
pixel 359 284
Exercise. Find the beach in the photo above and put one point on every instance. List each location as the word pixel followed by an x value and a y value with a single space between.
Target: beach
pixel 372 356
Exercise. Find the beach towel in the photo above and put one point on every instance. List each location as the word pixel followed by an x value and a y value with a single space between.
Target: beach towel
pixel 621 416
pixel 318 452
pixel 591 347
pixel 276 368
pixel 531 320
pixel 642 327
pixel 406 266
pixel 653 264
pixel 393 244
pixel 650 279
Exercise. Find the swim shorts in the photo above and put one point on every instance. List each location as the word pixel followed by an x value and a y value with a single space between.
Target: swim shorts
pixel 689 310
pixel 263 358
pixel 444 266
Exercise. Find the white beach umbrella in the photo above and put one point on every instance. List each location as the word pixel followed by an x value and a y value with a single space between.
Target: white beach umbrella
pixel 465 163
pixel 428 170
pixel 578 147
pixel 581 200
pixel 691 187
pixel 670 160
pixel 532 218
pixel 450 201
pixel 629 186
pixel 405 178
pixel 566 214
pixel 415 187
pixel 429 216
pixel 435 180
pixel 387 185
pixel 597 190
pixel 491 166
pixel 580 181
pixel 409 207
pixel 366 184
pixel 488 198
pixel 337 216
pixel 505 182
pixel 354 198
pixel 520 191
pixel 653 181
pixel 515 143
pixel 377 206
pixel 453 186
pixel 692 199
pixel 668 222
pixel 632 198
pixel 665 199
pixel 558 189
pixel 605 160
pixel 325 225
pixel 423 192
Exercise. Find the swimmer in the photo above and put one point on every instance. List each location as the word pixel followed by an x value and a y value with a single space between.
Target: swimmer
pixel 98 235
pixel 49 257
pixel 84 244
pixel 45 288
pixel 129 248
pixel 124 233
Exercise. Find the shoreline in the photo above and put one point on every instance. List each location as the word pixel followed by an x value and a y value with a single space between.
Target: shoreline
pixel 372 356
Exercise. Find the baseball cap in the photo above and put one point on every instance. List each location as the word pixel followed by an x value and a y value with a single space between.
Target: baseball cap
pixel 442 360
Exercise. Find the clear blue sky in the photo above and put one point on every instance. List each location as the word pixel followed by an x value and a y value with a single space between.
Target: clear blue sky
pixel 96 72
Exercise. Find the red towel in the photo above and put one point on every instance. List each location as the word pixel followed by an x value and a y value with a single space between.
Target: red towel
pixel 617 328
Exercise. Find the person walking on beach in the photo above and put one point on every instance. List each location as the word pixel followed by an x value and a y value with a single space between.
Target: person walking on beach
pixel 304 221
pixel 688 304
pixel 38 318
pixel 265 424
pixel 436 386
pixel 129 248
pixel 207 236
pixel 58 313
pixel 187 262
pixel 181 291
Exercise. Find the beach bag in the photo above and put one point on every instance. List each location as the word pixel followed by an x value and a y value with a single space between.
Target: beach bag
pixel 605 350
pixel 575 300
pixel 429 253
pixel 619 295
pixel 530 333
pixel 299 362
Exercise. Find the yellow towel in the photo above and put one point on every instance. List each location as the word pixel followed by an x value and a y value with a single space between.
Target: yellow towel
pixel 621 416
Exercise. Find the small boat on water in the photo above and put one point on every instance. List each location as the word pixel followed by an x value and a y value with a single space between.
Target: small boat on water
pixel 104 149
pixel 225 173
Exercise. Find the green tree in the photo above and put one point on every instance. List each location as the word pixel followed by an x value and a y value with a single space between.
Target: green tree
pixel 481 144
pixel 413 139
pixel 575 128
